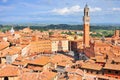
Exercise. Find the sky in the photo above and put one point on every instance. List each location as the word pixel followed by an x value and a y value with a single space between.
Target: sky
pixel 58 11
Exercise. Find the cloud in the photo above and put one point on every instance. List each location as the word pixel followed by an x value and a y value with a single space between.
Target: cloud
pixel 68 10
pixel 73 10
pixel 116 9
pixel 4 1
pixel 95 9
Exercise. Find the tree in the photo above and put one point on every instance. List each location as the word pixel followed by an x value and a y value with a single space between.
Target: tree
pixel 51 33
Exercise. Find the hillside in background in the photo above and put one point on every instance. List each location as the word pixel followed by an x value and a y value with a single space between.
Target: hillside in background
pixel 60 26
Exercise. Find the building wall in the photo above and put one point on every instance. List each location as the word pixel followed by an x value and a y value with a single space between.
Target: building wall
pixel 3 60
pixel 99 49
pixel 86 35
pixel 25 50
pixel 116 51
pixel 111 73
pixel 42 46
pixel 86 25
pixel 96 48
pixel 65 45
pixel 55 78
pixel 55 45
pixel 10 78
pixel 59 45
pixel 47 66
pixel 76 46
pixel 11 58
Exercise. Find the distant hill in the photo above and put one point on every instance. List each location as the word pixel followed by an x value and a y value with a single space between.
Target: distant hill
pixel 64 26
pixel 75 27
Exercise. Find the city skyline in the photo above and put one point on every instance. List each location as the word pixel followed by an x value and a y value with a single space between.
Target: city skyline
pixel 67 11
pixel 41 53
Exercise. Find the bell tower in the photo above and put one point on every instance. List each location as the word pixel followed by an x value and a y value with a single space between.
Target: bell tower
pixel 86 26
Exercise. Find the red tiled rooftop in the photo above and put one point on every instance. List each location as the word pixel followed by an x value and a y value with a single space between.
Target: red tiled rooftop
pixel 8 70
pixel 61 60
pixel 41 60
pixel 10 51
pixel 45 75
pixel 93 66
pixel 112 66
pixel 4 45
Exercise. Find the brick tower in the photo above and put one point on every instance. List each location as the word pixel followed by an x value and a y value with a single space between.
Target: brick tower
pixel 86 21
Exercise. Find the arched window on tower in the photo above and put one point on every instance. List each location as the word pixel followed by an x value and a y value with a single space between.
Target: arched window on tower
pixel 87 13
pixel 6 78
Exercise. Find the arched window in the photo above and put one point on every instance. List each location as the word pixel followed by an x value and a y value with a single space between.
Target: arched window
pixel 87 14
pixel 6 78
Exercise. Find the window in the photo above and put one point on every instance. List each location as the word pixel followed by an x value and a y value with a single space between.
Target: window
pixel 6 78
pixel 91 71
pixel 97 72
pixel 109 71
pixel 116 72
pixel 102 73
pixel 113 62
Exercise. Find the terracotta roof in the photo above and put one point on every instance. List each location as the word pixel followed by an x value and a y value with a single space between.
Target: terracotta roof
pixel 29 76
pixel 100 59
pixel 57 39
pixel 8 70
pixel 26 70
pixel 40 61
pixel 22 46
pixel 61 59
pixel 17 63
pixel 45 75
pixel 74 77
pixel 2 34
pixel 19 58
pixel 27 30
pixel 112 66
pixel 11 51
pixel 6 44
pixel 75 71
pixel 116 59
pixel 99 76
pixel 80 62
pixel 48 75
pixel 100 43
pixel 93 66
pixel 63 63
